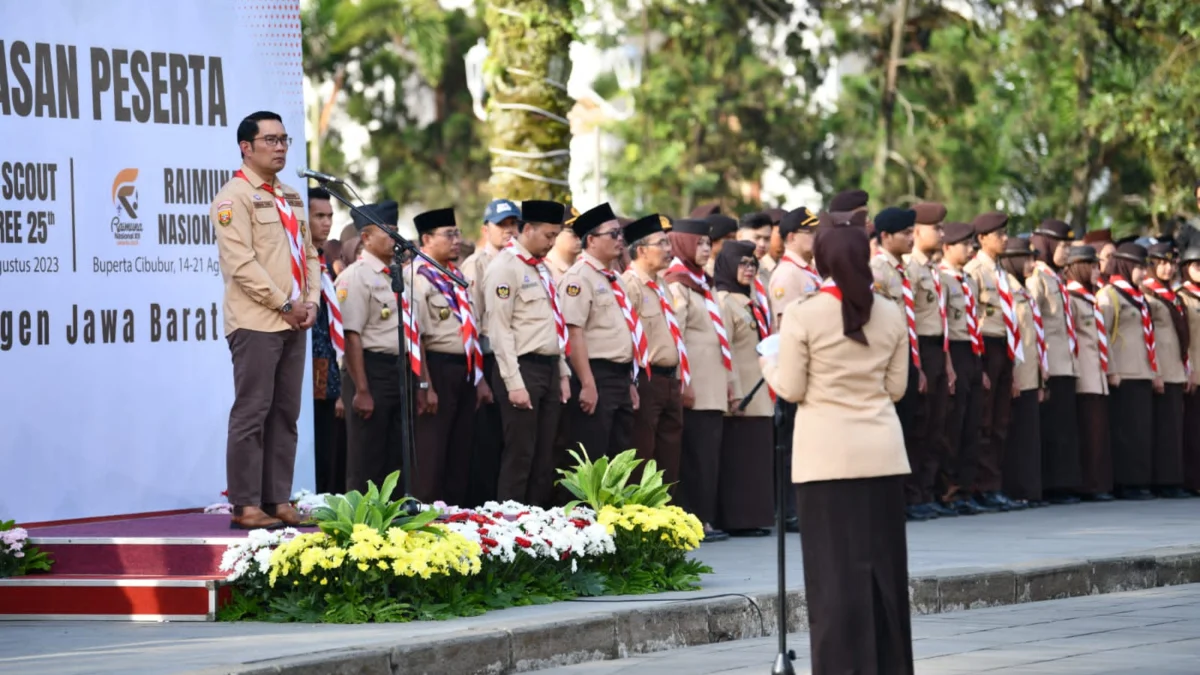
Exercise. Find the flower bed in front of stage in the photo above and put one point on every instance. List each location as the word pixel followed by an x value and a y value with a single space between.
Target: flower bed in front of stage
pixel 372 562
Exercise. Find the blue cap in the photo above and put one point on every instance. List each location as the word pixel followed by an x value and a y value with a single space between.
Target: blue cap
pixel 499 209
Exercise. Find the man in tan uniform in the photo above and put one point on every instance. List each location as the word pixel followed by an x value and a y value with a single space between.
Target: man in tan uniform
pixel 605 331
pixel 499 227
pixel 272 287
pixel 795 277
pixel 658 420
pixel 527 332
pixel 453 364
pixel 566 249
pixel 371 369
pixel 929 299
pixel 999 387
pixel 756 228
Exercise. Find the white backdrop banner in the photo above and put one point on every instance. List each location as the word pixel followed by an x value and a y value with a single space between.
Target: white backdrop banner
pixel 118 124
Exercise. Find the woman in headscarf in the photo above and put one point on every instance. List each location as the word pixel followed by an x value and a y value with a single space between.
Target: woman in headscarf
pixel 745 505
pixel 1172 338
pixel 843 359
pixel 714 388
pixel 1022 467
pixel 1132 372
pixel 1082 275
pixel 1190 292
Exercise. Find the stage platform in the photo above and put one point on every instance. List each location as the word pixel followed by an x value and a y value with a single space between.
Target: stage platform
pixel 154 568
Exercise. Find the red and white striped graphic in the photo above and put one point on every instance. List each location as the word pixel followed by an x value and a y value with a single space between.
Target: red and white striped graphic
pixel 714 310
pixel 685 370
pixel 1139 300
pixel 412 334
pixel 1176 303
pixel 456 296
pixel 1101 333
pixel 910 315
pixel 1068 315
pixel 1039 331
pixel 971 309
pixel 761 307
pixel 1012 331
pixel 560 325
pixel 336 336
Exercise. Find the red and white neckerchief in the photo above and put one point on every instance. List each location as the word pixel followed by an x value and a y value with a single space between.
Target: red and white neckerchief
pixel 560 326
pixel 830 286
pixel 1101 332
pixel 1068 315
pixel 806 268
pixel 1139 301
pixel 910 311
pixel 761 307
pixel 456 296
pixel 714 310
pixel 637 335
pixel 291 228
pixel 1012 330
pixel 1171 298
pixel 1039 332
pixel 972 317
pixel 941 298
pixel 685 371
pixel 336 336
pixel 412 334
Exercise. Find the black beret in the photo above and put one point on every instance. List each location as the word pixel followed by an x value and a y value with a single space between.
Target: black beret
pixel 691 226
pixel 540 211
pixel 954 232
pixel 753 221
pixel 929 213
pixel 720 226
pixel 1055 229
pixel 1190 256
pixel 1018 246
pixel 431 220
pixel 989 222
pixel 593 218
pixel 848 200
pixel 643 227
pixel 797 220
pixel 705 210
pixel 1131 251
pixel 893 219
pixel 1081 254
pixel 386 212
pixel 1161 251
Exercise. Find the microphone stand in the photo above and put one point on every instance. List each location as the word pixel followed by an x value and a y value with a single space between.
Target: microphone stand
pixel 407 419
pixel 785 656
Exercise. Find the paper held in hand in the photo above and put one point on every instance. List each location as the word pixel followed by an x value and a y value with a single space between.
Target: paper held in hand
pixel 769 346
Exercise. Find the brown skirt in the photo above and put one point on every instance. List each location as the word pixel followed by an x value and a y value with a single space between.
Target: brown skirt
pixel 1131 422
pixel 1191 440
pixel 855 551
pixel 1060 437
pixel 700 465
pixel 1023 456
pixel 746 496
pixel 1095 452
pixel 1168 436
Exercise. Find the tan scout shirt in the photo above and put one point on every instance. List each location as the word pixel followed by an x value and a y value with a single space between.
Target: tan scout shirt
pixel 1047 291
pixel 441 331
pixel 557 266
pixel 256 259
pixel 660 345
pixel 889 280
pixel 472 269
pixel 1166 341
pixel 956 303
pixel 1127 357
pixel 1192 303
pixel 844 391
pixel 710 380
pixel 520 319
pixel 588 302
pixel 1092 379
pixel 926 301
pixel 789 282
pixel 369 306
pixel 983 270
pixel 743 337
pixel 1026 373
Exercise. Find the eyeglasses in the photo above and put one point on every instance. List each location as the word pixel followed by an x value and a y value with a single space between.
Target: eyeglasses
pixel 661 243
pixel 449 234
pixel 749 264
pixel 614 234
pixel 273 141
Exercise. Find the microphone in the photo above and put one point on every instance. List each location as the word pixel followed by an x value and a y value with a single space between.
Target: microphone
pixel 317 175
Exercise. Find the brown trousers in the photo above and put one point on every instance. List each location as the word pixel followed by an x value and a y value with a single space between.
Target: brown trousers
pixel 1095 452
pixel 1191 440
pixel 268 381
pixel 1060 437
pixel 1168 436
pixel 443 467
pixel 527 465
pixel 855 552
pixel 658 424
pixel 1023 456
pixel 605 432
pixel 961 438
pixel 374 446
pixel 1131 423
pixel 929 421
pixel 997 409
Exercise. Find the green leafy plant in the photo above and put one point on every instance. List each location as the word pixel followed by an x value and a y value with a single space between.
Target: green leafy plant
pixel 375 509
pixel 17 557
pixel 604 483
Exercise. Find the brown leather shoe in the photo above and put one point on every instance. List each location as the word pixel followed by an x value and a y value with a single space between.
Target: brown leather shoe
pixel 285 512
pixel 253 518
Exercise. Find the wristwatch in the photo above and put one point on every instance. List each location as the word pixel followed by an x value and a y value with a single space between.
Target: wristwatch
pixel 422 385
pixel 286 308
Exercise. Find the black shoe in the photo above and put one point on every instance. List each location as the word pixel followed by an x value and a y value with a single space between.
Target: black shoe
pixel 915 514
pixel 1013 504
pixel 942 510
pixel 715 535
pixel 750 532
pixel 966 507
pixel 1039 504
pixel 792 524
pixel 1174 493
pixel 1134 494
pixel 995 501
pixel 1099 497
pixel 1064 499
pixel 1146 493
pixel 979 506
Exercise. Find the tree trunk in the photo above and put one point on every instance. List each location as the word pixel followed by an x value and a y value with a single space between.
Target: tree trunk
pixel 1085 173
pixel 888 104
pixel 529 135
